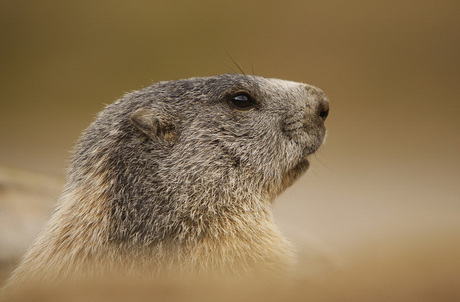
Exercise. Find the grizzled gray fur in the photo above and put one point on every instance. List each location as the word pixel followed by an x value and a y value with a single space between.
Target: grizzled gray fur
pixel 181 175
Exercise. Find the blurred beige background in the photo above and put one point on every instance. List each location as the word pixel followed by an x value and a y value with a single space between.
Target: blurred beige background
pixel 390 68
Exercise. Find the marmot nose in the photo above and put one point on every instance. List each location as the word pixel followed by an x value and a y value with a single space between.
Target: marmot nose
pixel 323 109
pixel 320 100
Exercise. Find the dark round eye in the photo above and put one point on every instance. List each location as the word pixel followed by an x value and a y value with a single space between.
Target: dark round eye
pixel 242 101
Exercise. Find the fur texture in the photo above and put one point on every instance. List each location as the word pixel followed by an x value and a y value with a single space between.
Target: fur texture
pixel 177 176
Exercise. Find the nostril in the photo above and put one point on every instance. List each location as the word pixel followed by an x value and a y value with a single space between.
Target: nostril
pixel 320 102
pixel 324 113
pixel 323 108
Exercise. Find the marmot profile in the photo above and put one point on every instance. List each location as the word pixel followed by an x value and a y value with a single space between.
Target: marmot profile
pixel 181 175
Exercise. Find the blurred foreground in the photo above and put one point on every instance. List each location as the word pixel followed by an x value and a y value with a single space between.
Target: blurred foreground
pixel 420 268
pixel 412 267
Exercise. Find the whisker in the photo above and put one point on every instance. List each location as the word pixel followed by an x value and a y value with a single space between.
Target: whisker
pixel 237 65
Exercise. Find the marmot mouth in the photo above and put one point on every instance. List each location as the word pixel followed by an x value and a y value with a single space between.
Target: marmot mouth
pixel 291 176
pixel 300 168
pixel 313 147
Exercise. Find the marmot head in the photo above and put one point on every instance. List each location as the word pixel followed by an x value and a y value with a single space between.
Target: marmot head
pixel 202 144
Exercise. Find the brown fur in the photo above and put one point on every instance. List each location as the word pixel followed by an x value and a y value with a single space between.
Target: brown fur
pixel 179 177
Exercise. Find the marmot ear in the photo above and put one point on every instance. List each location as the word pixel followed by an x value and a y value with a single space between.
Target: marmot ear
pixel 153 124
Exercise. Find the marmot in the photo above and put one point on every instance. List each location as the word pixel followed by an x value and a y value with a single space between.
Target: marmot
pixel 181 176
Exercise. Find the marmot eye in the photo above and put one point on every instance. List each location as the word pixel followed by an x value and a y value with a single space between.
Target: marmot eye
pixel 242 102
